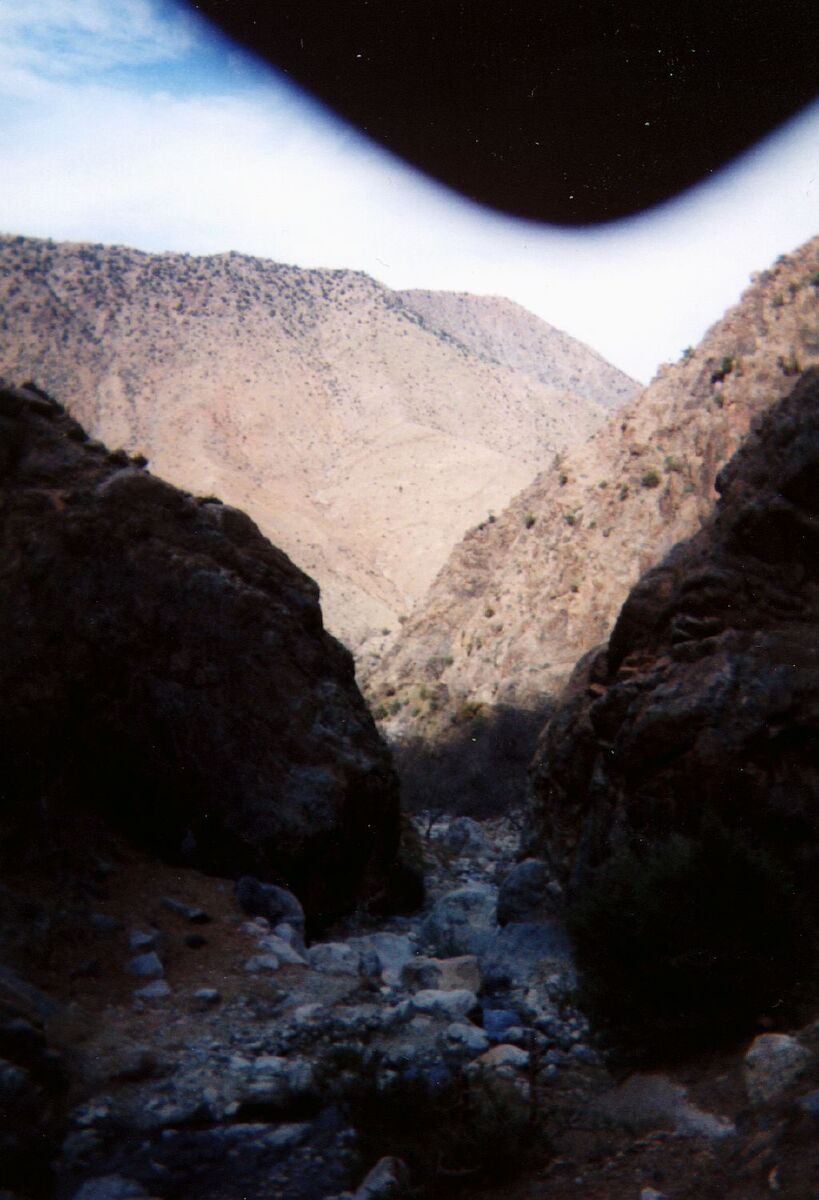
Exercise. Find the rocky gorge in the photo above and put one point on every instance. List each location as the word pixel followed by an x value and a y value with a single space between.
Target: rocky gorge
pixel 230 969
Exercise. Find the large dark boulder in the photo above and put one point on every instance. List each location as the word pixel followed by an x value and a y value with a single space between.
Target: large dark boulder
pixel 163 665
pixel 677 786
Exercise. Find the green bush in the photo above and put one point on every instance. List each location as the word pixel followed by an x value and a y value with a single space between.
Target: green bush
pixel 672 464
pixel 724 369
pixel 687 942
pixel 529 520
pixel 650 479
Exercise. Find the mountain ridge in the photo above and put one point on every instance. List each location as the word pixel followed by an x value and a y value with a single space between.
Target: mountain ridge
pixel 522 597
pixel 359 436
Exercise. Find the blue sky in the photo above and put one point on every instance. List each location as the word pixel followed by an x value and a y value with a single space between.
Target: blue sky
pixel 133 124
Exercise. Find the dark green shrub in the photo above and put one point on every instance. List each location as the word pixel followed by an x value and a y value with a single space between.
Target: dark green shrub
pixel 650 479
pixel 725 368
pixel 529 520
pixel 686 943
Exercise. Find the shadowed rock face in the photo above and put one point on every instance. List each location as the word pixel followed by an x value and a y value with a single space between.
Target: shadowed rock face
pixel 165 665
pixel 678 783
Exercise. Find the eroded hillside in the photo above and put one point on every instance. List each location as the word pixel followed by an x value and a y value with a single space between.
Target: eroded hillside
pixel 523 596
pixel 362 437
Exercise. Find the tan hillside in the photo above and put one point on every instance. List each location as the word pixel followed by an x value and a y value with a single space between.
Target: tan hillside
pixel 361 437
pixel 498 330
pixel 521 598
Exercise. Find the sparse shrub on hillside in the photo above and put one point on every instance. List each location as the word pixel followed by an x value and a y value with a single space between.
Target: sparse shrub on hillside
pixel 688 353
pixel 529 520
pixel 623 491
pixel 778 300
pixel 650 479
pixel 723 370
pixel 570 518
pixel 789 365
pixel 563 479
pixel 672 464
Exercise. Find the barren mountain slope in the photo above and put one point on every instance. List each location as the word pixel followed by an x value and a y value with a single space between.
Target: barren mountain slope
pixel 361 438
pixel 522 597
pixel 501 331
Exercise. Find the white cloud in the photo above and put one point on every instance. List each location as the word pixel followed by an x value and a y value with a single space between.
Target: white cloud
pixel 267 172
pixel 45 40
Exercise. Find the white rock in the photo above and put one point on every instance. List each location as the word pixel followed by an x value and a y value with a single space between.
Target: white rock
pixel 261 963
pixel 455 1004
pixel 334 958
pixel 504 1055
pixel 157 990
pixel 394 950
pixel 388 1178
pixel 284 950
pixel 470 1037
pixel 442 974
pixel 147 966
pixel 773 1062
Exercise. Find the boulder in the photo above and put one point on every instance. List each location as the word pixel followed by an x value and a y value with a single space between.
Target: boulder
pixel 528 893
pixel 334 958
pixel 461 922
pixel 464 836
pixel 774 1061
pixel 388 1180
pixel 454 1005
pixel 676 785
pixel 445 974
pixel 166 666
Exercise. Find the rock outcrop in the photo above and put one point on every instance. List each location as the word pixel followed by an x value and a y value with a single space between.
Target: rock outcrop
pixel 677 783
pixel 165 666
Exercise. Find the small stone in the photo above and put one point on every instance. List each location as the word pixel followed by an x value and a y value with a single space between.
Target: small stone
pixel 266 900
pixel 140 940
pixel 147 966
pixel 442 974
pixel 504 1055
pixel 206 997
pixel 470 1037
pixel 455 1004
pixel 334 958
pixel 284 951
pixel 196 916
pixel 261 963
pixel 388 1180
pixel 773 1062
pixel 157 990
